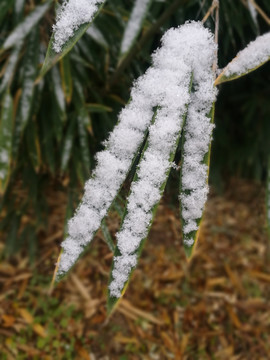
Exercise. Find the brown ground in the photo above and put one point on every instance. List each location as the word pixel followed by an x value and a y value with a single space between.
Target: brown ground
pixel 216 307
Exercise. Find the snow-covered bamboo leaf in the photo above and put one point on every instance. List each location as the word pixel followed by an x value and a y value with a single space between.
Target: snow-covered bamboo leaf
pixel 6 133
pixel 134 25
pixel 249 59
pixel 73 19
pixel 166 86
pixel 146 191
pixel 66 77
pixel 196 150
pixel 25 27
pixel 107 236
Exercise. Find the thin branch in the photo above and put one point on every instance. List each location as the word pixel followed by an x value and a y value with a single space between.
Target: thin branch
pixel 261 12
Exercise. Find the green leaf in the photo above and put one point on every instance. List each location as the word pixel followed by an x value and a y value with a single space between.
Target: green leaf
pixel 83 122
pixel 5 5
pixel 107 236
pixel 58 92
pixel 25 27
pixel 66 77
pixel 6 133
pixel 67 147
pixel 26 100
pixel 10 67
pixel 52 56
pixel 195 234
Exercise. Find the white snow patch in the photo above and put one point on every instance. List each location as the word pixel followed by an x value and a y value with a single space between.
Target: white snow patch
pixel 71 15
pixel 185 50
pixel 256 53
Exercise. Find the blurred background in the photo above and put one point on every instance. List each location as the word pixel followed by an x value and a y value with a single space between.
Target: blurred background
pixel 214 307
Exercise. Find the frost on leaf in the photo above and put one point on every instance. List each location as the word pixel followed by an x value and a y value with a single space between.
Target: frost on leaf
pixel 71 15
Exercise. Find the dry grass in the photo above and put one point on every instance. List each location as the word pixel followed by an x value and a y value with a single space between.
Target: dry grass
pixel 215 307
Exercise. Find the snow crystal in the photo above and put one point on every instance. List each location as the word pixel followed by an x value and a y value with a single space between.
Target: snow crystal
pixel 256 53
pixel 185 50
pixel 71 15
pixel 134 24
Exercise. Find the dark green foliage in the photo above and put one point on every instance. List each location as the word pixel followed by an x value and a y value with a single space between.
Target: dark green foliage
pixel 59 121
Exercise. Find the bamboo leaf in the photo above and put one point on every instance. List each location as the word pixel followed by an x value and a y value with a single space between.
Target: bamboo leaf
pixel 249 59
pixel 5 5
pixel 26 100
pixel 58 92
pixel 107 236
pixel 67 147
pixel 133 26
pixel 98 108
pixel 52 57
pixel 194 234
pixel 10 66
pixel 66 78
pixel 24 28
pixel 6 133
pixel 83 121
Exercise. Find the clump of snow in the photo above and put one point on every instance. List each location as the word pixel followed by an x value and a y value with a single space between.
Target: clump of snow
pixel 134 23
pixel 71 15
pixel 187 50
pixel 198 132
pixel 256 53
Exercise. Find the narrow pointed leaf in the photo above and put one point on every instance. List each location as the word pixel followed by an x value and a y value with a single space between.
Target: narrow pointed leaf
pixel 52 56
pixel 26 100
pixel 6 133
pixel 67 146
pixel 249 59
pixel 192 236
pixel 134 25
pixel 107 236
pixel 5 5
pixel 66 77
pixel 98 108
pixel 25 27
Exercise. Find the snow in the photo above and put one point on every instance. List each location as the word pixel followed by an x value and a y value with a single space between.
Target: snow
pixel 163 92
pixel 134 24
pixel 71 16
pixel 169 85
pixel 256 53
